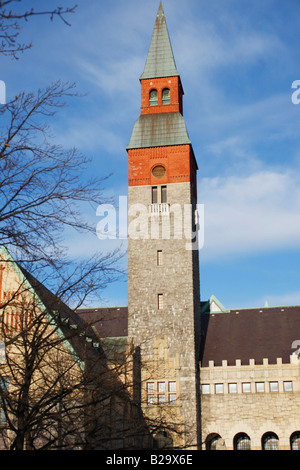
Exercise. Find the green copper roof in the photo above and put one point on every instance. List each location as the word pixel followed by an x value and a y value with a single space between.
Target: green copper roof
pixel 160 60
pixel 155 130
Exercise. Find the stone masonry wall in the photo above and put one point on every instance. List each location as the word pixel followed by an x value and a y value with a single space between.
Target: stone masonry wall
pixel 254 413
pixel 176 280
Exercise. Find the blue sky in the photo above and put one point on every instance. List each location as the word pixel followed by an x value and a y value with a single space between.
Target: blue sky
pixel 237 62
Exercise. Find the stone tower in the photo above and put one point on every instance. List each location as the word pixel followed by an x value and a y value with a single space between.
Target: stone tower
pixel 163 266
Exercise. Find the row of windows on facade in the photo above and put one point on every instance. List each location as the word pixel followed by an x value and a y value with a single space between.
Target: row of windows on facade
pixel 242 441
pixel 246 387
pixel 161 393
pixel 153 97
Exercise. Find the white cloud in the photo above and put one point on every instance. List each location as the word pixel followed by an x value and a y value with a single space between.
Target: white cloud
pixel 245 215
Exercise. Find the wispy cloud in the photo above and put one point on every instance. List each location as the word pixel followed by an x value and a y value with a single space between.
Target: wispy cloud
pixel 251 214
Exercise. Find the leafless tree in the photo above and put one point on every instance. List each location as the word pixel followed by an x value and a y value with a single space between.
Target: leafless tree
pixel 11 20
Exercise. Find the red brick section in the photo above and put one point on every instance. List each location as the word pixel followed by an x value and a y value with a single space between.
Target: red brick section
pixel 176 92
pixel 178 160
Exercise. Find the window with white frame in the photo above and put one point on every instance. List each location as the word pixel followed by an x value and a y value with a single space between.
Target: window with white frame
pixel 232 388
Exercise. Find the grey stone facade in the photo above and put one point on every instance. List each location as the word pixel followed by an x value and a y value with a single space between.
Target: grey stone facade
pixel 176 279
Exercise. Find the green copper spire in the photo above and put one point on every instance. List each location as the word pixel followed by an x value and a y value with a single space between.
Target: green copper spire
pixel 160 60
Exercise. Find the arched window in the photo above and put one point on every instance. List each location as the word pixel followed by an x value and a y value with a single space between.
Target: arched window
pixel 166 99
pixel 242 442
pixel 153 100
pixel 214 442
pixel 295 441
pixel 269 441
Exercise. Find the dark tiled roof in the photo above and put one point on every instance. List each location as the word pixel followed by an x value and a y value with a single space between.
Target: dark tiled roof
pixel 109 322
pixel 250 334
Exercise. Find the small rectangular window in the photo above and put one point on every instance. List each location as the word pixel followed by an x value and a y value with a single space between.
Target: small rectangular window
pixel 154 195
pixel 172 398
pixel 232 388
pixel 246 388
pixel 159 258
pixel 273 386
pixel 205 389
pixel 287 386
pixel 260 387
pixel 219 388
pixel 163 194
pixel 160 301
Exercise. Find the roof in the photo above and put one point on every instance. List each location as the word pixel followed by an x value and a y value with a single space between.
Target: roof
pixel 155 130
pixel 250 334
pixel 108 322
pixel 160 59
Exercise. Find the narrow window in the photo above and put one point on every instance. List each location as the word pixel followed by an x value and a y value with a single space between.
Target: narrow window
pixel 166 96
pixel 153 98
pixel 164 194
pixel 172 393
pixel 160 301
pixel 159 258
pixel 161 388
pixel 287 386
pixel 150 393
pixel 154 194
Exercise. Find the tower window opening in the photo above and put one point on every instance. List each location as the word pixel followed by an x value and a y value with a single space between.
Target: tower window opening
pixel 154 195
pixel 160 301
pixel 153 98
pixel 166 96
pixel 159 194
pixel 159 258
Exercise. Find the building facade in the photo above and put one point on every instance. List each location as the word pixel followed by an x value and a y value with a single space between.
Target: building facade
pixel 170 370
